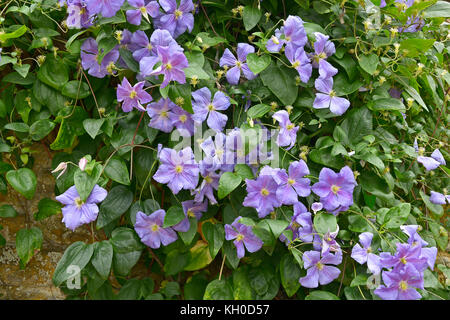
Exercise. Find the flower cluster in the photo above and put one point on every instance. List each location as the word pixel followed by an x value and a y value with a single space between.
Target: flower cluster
pixel 405 268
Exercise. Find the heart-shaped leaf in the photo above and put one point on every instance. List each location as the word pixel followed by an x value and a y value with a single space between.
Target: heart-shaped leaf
pixel 23 181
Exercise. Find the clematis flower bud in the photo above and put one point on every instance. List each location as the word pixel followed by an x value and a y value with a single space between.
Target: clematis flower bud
pixel 82 163
pixel 62 166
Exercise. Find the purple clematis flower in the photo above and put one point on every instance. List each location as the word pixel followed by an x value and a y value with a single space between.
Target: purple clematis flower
pixel 400 285
pixel 134 16
pixel 237 65
pixel 292 34
pixel 132 96
pixel 301 225
pixel 300 62
pixel 183 121
pixel 173 63
pixel 76 212
pixel 335 189
pixel 288 131
pixel 329 243
pixel 178 169
pixel 108 8
pixel 406 255
pixel 176 19
pixel 364 254
pixel 209 184
pixel 79 17
pixel 326 97
pixel 217 153
pixel 439 198
pixel 141 46
pixel 89 59
pixel 416 240
pixel 262 195
pixel 318 270
pixel 323 48
pixel 431 163
pixel 291 184
pixel 191 209
pixel 161 114
pixel 150 230
pixel 244 237
pixel 205 108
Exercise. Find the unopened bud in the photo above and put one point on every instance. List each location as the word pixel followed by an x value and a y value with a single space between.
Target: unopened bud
pixel 62 166
pixel 409 102
pixel 82 163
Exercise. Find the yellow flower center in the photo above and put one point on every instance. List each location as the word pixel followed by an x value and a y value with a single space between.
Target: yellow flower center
pixel 211 107
pixel 369 250
pixel 403 285
pixel 264 192
pixel 149 46
pixel 190 214
pixel 332 93
pixel 240 237
pixel 275 40
pixel 238 64
pixel 403 260
pixel 295 225
pixel 178 169
pixel 291 181
pixel 183 118
pixel 296 64
pixel 335 189
pixel 290 126
pixel 168 66
pixel 143 10
pixel 208 179
pixel 319 265
pixel 219 152
pixel 178 14
pixel 133 94
pixel 78 202
pixel 154 227
pixel 288 39
pixel 164 114
pixel 82 11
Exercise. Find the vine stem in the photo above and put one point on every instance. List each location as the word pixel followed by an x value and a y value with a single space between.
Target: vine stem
pixel 221 267
pixel 92 91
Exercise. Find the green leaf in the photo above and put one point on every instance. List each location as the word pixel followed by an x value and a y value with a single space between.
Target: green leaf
pixel 22 70
pixel 290 273
pixel 77 254
pixel 258 110
pixel 386 104
pixel 84 182
pixel 440 9
pixel 241 285
pixel 199 257
pixel 215 235
pixel 117 170
pixel 47 208
pixel 76 90
pixel 325 222
pixel 357 124
pixel 281 81
pixel 127 56
pixel 189 235
pixel 124 262
pixel 209 40
pixel 41 128
pixel 358 224
pixel 23 181
pixel 125 240
pixel 7 211
pixel 436 209
pixel 17 126
pixel 369 63
pixel 181 95
pixel 173 216
pixel 175 262
pixel 53 72
pixel 92 126
pixel 15 34
pixel 397 216
pixel 243 171
pixel 257 63
pixel 227 183
pixel 218 290
pixel 118 201
pixel 195 286
pixel 415 47
pixel 102 258
pixel 321 295
pixel 27 241
pixel 105 45
pixel 251 17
